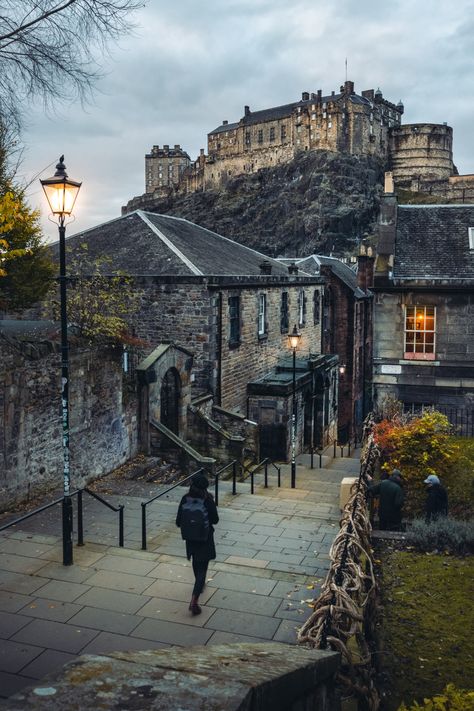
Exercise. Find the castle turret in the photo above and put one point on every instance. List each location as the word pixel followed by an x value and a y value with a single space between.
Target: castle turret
pixel 421 152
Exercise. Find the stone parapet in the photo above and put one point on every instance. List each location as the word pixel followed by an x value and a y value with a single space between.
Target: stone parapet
pixel 232 677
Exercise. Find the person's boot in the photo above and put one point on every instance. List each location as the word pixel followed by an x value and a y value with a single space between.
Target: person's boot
pixel 193 605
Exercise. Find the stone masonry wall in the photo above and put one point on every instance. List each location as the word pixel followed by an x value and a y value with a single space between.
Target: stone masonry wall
pixel 102 424
pixel 449 379
pixel 257 355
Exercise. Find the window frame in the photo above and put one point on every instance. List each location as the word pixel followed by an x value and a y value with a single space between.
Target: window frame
pixel 262 315
pixel 419 313
pixel 301 308
pixel 284 313
pixel 316 307
pixel 234 321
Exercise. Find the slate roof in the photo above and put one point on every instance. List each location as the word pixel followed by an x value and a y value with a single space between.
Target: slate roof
pixel 343 271
pixel 145 243
pixel 432 243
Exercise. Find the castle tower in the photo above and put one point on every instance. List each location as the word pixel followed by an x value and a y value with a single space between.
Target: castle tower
pixel 421 152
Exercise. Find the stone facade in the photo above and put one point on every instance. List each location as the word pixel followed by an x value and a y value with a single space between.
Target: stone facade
pixel 194 312
pixel 102 425
pixel 424 307
pixel 164 167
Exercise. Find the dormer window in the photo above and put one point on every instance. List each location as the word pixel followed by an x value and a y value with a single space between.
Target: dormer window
pixel 471 237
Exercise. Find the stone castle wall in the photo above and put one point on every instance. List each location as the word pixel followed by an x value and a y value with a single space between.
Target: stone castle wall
pixel 421 151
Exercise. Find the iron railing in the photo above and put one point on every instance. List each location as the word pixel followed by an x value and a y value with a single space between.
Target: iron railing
pixel 80 514
pixel 252 471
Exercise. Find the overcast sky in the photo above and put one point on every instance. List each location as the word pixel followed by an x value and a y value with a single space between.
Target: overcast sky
pixel 189 65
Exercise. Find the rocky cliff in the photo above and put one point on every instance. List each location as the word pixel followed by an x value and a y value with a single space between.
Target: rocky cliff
pixel 320 202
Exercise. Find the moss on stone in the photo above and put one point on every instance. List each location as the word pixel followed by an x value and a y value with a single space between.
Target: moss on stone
pixel 426 625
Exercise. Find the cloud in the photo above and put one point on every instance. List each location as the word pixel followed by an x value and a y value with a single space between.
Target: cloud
pixel 190 65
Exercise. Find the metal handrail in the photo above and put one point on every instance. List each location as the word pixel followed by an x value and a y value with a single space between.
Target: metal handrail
pixel 80 516
pixel 232 464
pixel 158 496
pixel 251 472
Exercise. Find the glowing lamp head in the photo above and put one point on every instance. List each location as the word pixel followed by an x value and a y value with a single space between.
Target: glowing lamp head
pixel 293 338
pixel 60 191
pixel 342 369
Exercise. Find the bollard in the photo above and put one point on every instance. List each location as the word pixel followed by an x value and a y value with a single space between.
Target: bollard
pixel 335 445
pixel 216 490
pixel 312 454
pixel 266 475
pixel 234 477
pixel 143 527
pixel 279 476
pixel 251 482
pixel 121 507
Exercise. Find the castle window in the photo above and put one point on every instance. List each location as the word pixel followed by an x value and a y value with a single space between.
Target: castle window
pixel 420 329
pixel 284 320
pixel 313 116
pixel 471 237
pixel 262 313
pixel 247 138
pixel 283 133
pixel 272 134
pixel 234 320
pixel 260 135
pixel 329 124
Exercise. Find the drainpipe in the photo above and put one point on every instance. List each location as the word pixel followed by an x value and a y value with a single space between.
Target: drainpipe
pixel 218 393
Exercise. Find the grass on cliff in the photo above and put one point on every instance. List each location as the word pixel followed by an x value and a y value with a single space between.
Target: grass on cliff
pixel 426 625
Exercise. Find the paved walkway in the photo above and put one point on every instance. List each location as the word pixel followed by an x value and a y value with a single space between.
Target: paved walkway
pixel 272 556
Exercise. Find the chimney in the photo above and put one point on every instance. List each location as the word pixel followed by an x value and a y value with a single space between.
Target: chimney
pixel 265 267
pixel 246 111
pixel 368 94
pixel 388 183
pixel 387 232
pixel 349 88
pixel 292 268
pixel 305 96
pixel 201 151
pixel 177 147
pixel 313 96
pixel 165 147
pixel 333 93
pixel 365 270
pixel 320 95
pixel 225 122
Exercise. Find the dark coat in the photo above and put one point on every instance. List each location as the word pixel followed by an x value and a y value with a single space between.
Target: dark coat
pixel 436 502
pixel 391 501
pixel 201 551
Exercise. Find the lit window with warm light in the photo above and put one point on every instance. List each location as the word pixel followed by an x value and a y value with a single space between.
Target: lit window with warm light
pixel 420 331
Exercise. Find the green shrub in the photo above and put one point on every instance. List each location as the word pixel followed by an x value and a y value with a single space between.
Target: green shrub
pixel 425 445
pixel 451 699
pixel 444 534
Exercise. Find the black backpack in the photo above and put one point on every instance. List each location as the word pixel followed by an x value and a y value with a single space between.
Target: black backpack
pixel 194 520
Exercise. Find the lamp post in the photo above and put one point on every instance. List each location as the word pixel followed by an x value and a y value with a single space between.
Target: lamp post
pixel 61 193
pixel 293 340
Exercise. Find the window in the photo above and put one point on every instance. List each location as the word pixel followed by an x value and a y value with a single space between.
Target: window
pixel 272 134
pixel 247 138
pixel 234 320
pixel 260 135
pixel 283 132
pixel 420 325
pixel 284 320
pixel 471 237
pixel 316 307
pixel 301 307
pixel 262 312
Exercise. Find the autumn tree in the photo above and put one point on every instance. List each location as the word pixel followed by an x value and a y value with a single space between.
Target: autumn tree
pixel 101 306
pixel 50 48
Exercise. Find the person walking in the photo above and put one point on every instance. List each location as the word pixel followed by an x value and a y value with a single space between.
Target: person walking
pixel 391 496
pixel 197 514
pixel 436 504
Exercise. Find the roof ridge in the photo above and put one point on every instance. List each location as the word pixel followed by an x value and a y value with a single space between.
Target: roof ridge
pixel 169 243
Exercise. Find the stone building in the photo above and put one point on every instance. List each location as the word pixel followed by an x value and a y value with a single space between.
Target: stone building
pixel 346 319
pixel 164 167
pixel 228 306
pixel 424 307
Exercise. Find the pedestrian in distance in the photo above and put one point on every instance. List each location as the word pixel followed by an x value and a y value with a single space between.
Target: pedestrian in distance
pixel 436 504
pixel 197 514
pixel 391 498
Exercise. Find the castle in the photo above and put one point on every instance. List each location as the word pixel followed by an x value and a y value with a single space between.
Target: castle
pixel 419 155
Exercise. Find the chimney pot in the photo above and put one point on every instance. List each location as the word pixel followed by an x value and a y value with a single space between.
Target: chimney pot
pixel 292 268
pixel 305 96
pixel 246 110
pixel 225 122
pixel 388 183
pixel 265 267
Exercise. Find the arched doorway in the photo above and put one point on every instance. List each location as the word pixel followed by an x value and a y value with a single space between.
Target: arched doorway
pixel 170 394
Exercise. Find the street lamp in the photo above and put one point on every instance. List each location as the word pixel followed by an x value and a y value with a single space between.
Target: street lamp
pixel 61 193
pixel 293 340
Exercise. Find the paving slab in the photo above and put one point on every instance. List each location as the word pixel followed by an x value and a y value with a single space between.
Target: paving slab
pixel 48 661
pixel 12 602
pixel 55 635
pixel 113 600
pixel 15 654
pixel 20 563
pixel 118 581
pixel 176 591
pixel 13 683
pixel 11 623
pixel 245 602
pixel 175 611
pixel 182 635
pixel 19 583
pixel 61 590
pixel 242 583
pixel 109 642
pixel 245 623
pixel 53 610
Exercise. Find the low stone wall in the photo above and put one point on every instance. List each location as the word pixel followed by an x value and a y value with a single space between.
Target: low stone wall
pixel 232 677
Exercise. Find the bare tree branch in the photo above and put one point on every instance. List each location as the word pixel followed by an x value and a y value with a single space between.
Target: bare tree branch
pixel 49 49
